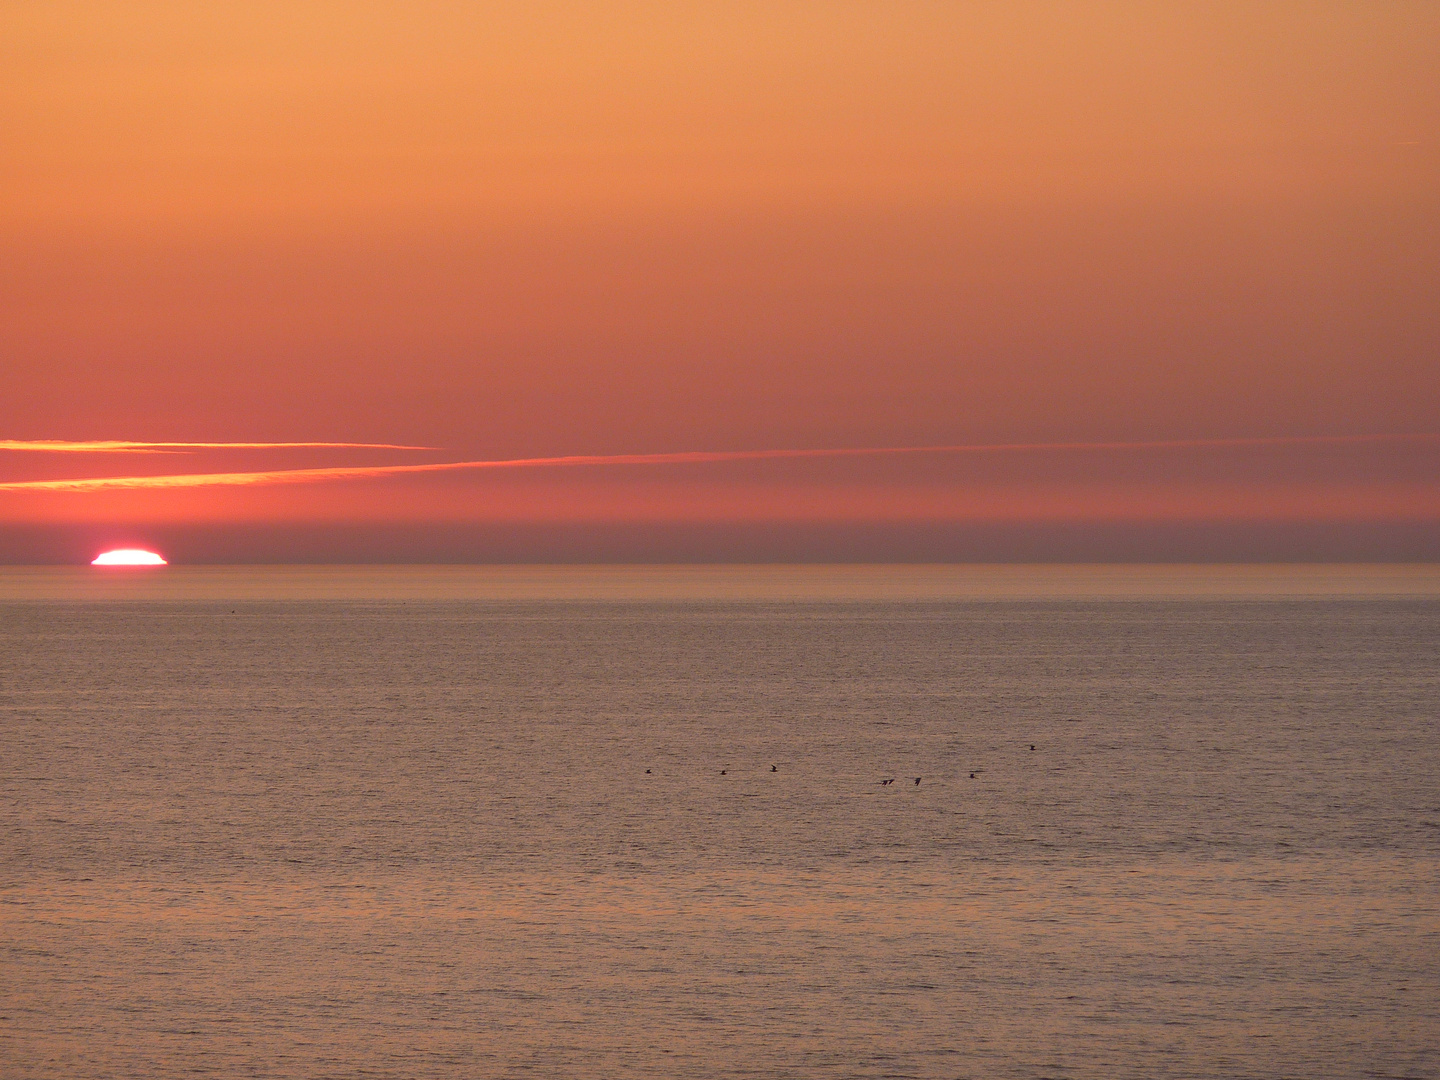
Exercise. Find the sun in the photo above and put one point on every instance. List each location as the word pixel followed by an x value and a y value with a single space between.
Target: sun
pixel 129 557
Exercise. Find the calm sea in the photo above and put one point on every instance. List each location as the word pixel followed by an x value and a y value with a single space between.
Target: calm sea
pixel 610 822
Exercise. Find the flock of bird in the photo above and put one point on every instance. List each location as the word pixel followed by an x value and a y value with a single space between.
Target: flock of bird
pixel 883 783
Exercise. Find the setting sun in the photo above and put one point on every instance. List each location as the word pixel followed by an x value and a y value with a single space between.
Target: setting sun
pixel 128 557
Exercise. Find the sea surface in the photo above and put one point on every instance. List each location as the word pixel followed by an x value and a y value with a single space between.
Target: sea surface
pixel 634 822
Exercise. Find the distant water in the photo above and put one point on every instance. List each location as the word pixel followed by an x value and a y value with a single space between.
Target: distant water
pixel 630 823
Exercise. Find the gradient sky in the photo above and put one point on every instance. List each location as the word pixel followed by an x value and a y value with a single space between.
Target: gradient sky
pixel 1100 242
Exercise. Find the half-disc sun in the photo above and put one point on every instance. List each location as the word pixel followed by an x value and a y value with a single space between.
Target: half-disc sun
pixel 128 557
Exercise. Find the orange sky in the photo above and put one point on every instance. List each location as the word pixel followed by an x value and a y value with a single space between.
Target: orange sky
pixel 511 231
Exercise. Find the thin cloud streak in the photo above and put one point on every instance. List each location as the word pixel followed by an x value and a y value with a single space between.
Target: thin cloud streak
pixel 128 446
pixel 696 457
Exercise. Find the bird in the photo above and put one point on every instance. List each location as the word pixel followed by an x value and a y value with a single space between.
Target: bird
pixel 774 768
pixel 917 781
pixel 972 776
pixel 1032 746
pixel 884 782
pixel 647 772
pixel 722 772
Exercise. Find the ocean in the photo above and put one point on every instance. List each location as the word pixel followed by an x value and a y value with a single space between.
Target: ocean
pixel 720 822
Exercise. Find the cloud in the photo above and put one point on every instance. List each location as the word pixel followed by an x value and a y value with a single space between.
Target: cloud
pixel 323 475
pixel 128 446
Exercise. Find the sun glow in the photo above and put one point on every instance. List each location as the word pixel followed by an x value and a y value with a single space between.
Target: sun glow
pixel 128 557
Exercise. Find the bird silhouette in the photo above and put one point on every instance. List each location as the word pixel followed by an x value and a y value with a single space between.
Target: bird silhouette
pixel 774 768
pixel 647 772
pixel 722 772
pixel 917 781
pixel 884 782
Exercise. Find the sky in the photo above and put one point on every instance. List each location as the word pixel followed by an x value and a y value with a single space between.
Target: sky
pixel 740 281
